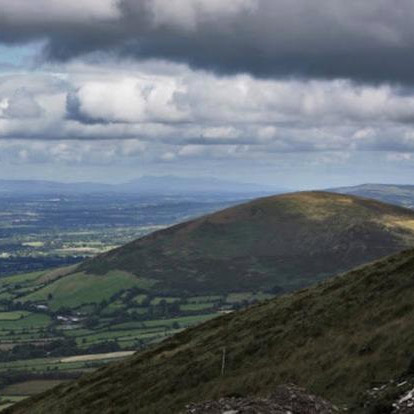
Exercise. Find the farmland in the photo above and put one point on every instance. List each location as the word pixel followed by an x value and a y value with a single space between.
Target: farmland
pixel 38 232
pixel 56 325
pixel 145 291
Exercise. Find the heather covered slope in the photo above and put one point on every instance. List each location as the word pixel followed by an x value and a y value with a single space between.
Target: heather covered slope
pixel 336 339
pixel 282 242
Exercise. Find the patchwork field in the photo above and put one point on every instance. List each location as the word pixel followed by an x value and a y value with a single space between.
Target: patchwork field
pixel 56 325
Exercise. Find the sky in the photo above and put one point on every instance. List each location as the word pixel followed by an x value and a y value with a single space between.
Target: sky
pixel 291 93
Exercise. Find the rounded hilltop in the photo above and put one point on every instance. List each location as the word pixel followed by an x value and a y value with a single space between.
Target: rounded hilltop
pixel 282 242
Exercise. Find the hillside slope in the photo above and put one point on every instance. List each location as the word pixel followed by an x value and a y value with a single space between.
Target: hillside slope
pixel 282 242
pixel 335 339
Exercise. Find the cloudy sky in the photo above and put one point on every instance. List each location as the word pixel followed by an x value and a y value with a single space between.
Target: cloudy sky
pixel 295 93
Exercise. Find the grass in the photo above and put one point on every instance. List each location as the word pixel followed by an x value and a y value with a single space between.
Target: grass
pixel 13 316
pixel 247 296
pixel 33 321
pixel 41 365
pixel 205 299
pixel 158 300
pixel 96 357
pixel 256 246
pixel 9 400
pixel 336 339
pixel 182 321
pixel 118 335
pixel 20 279
pixel 29 388
pixel 140 298
pixel 6 296
pixel 79 288
pixel 195 307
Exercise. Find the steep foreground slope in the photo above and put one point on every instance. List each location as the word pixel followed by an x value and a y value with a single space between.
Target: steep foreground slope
pixel 336 339
pixel 282 242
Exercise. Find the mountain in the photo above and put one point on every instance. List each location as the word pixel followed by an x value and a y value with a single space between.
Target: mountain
pixel 277 243
pixel 22 187
pixel 337 339
pixel 145 185
pixel 173 185
pixel 402 195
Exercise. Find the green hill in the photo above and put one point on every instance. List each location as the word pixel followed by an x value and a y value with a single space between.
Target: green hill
pixel 336 339
pixel 283 242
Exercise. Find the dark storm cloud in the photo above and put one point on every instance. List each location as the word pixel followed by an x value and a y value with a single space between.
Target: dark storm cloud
pixel 371 40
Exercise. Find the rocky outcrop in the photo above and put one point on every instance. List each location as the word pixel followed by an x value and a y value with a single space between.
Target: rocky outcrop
pixel 286 399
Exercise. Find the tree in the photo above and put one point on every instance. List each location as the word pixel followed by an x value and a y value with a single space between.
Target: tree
pixel 91 322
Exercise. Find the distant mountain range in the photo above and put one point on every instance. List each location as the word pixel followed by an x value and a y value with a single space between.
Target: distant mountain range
pixel 402 195
pixel 144 185
pixel 339 340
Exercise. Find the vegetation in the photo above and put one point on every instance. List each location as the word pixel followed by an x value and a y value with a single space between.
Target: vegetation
pixel 337 339
pixel 256 246
pixel 138 295
pixel 75 289
pixel 102 314
pixel 40 231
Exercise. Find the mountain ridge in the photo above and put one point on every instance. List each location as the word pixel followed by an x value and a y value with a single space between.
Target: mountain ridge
pixel 146 184
pixel 398 194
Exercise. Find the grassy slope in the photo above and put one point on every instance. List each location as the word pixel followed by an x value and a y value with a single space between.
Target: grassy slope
pixel 257 245
pixel 78 289
pixel 336 339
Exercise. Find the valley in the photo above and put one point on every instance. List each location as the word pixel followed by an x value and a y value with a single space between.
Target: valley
pixel 50 334
pixel 42 231
pixel 348 340
pixel 42 323
pixel 59 324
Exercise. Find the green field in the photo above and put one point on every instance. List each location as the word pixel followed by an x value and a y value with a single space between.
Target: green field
pixel 32 321
pixel 29 388
pixel 22 278
pixel 167 299
pixel 338 340
pixel 79 288
pixel 247 296
pixel 96 314
pixel 195 307
pixel 12 316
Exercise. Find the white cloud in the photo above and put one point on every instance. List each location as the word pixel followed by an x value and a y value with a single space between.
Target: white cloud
pixel 129 100
pixel 170 112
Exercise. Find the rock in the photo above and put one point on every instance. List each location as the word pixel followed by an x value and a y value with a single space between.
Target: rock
pixel 287 399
